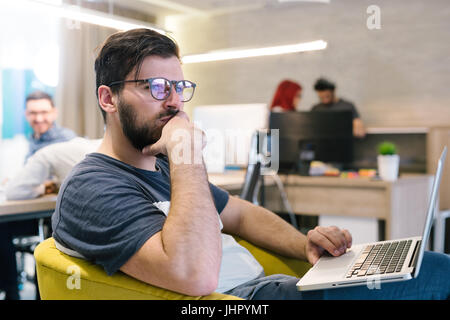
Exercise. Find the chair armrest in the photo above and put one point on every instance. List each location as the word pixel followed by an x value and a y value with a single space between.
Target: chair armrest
pixel 55 269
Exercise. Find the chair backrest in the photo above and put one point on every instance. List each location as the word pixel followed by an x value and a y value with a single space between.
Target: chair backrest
pixel 251 178
pixel 253 171
pixel 63 277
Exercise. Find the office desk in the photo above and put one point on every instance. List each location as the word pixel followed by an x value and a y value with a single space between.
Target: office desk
pixel 42 207
pixel 401 204
pixel 231 181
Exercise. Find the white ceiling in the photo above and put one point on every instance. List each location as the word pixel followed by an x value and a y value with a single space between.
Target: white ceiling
pixel 206 7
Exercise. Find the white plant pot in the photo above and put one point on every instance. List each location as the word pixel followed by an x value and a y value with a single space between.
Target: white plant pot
pixel 388 167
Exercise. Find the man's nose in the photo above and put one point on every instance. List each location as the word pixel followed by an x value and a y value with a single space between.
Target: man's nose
pixel 175 99
pixel 39 117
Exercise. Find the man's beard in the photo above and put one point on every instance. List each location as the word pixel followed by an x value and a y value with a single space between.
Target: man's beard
pixel 144 135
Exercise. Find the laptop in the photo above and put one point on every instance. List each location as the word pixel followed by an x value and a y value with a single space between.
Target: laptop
pixel 378 262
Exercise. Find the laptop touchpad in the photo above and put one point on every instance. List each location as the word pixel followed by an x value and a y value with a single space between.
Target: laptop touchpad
pixel 328 265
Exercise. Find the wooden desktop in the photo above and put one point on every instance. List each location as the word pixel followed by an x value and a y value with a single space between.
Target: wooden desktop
pixel 38 208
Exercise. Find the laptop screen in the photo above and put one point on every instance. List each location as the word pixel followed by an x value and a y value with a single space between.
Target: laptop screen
pixel 431 210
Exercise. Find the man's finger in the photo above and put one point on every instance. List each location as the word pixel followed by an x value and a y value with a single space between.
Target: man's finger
pixel 320 240
pixel 348 237
pixel 183 115
pixel 335 236
pixel 314 256
pixel 313 253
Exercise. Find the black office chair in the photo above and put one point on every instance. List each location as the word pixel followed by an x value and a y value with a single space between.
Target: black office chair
pixel 251 186
pixel 250 183
pixel 25 245
pixel 257 162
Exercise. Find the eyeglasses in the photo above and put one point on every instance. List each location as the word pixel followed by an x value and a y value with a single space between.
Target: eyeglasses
pixel 161 88
pixel 38 113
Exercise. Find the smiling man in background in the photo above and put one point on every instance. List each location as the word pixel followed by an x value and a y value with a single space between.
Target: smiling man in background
pixel 41 114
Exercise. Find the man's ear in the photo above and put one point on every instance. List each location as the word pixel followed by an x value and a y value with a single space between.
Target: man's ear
pixel 106 99
pixel 54 114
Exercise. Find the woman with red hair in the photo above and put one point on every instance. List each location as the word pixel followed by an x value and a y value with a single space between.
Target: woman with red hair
pixel 287 97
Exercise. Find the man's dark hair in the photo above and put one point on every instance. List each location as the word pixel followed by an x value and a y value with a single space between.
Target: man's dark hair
pixel 39 95
pixel 323 85
pixel 124 51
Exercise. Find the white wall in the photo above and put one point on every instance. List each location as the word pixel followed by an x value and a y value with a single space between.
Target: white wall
pixel 12 156
pixel 23 36
pixel 29 41
pixel 397 76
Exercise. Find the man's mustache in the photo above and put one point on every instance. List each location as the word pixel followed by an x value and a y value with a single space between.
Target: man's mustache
pixel 169 112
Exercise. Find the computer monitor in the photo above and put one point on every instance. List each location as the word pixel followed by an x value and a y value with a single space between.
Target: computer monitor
pixel 325 136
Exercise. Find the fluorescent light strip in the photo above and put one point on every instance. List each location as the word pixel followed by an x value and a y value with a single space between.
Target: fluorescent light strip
pixel 322 1
pixel 98 18
pixel 171 5
pixel 258 52
pixel 86 15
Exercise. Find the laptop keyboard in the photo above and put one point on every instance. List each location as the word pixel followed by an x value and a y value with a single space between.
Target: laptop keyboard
pixel 381 258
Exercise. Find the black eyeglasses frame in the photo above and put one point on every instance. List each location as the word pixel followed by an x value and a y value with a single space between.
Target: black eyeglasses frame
pixel 150 80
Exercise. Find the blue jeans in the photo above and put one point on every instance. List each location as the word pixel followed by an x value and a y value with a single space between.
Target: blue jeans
pixel 433 282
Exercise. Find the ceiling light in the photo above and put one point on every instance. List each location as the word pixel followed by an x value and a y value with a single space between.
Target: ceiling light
pixel 322 1
pixel 257 52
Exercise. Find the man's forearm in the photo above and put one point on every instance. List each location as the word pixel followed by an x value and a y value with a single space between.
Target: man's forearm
pixel 273 233
pixel 191 233
pixel 29 182
pixel 23 192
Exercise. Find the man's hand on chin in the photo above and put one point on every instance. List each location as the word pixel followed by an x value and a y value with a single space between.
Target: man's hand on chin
pixel 331 239
pixel 178 130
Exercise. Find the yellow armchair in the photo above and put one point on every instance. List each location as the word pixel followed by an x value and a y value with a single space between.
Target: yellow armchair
pixel 64 277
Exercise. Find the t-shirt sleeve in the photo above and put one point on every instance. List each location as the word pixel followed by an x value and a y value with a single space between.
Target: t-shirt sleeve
pixel 107 222
pixel 354 111
pixel 220 197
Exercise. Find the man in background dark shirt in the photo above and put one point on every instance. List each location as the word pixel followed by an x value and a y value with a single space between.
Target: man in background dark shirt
pixel 329 101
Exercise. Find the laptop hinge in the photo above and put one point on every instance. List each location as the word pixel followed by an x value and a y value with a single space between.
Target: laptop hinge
pixel 413 261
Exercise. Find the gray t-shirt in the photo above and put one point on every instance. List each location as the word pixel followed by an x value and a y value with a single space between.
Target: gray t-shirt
pixel 106 210
pixel 340 105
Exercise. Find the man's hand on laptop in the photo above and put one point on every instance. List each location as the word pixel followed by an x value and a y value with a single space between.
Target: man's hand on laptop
pixel 330 239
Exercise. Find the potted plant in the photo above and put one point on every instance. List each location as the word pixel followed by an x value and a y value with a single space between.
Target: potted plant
pixel 388 161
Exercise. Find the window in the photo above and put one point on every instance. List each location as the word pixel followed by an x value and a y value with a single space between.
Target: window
pixel 28 62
